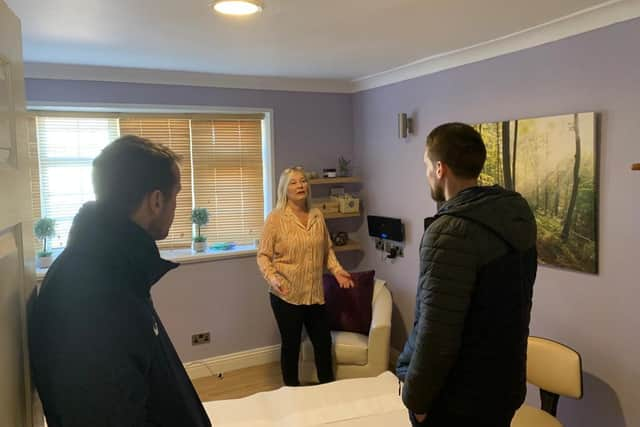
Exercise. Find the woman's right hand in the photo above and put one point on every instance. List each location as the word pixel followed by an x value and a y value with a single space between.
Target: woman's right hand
pixel 279 287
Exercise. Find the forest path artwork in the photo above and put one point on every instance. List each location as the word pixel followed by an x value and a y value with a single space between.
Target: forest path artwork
pixel 552 162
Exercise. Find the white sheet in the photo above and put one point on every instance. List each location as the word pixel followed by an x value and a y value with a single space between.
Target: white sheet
pixel 371 402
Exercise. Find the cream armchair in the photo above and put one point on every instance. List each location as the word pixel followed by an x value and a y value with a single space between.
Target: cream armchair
pixel 557 370
pixel 356 355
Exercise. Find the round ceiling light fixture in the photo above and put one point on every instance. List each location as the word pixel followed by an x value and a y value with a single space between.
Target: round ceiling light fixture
pixel 237 7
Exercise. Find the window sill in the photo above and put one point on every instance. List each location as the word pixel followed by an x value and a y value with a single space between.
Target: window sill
pixel 189 256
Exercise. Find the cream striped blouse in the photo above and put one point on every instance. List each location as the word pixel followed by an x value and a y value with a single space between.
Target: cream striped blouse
pixel 297 255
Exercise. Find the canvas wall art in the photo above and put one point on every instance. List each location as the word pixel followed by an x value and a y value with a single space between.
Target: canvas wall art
pixel 552 161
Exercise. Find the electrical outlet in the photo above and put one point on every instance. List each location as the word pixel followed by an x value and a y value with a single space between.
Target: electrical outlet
pixel 201 338
pixel 379 244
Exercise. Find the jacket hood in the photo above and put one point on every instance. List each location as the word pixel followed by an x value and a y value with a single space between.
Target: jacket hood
pixel 504 212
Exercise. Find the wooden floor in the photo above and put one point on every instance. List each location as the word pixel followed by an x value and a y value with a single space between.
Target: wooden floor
pixel 240 383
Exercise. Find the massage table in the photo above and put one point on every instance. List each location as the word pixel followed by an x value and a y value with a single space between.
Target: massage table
pixel 358 402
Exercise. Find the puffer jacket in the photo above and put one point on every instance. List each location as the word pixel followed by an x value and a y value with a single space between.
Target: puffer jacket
pixel 466 353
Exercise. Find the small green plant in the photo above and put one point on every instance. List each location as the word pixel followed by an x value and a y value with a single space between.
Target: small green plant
pixel 200 217
pixel 344 166
pixel 44 229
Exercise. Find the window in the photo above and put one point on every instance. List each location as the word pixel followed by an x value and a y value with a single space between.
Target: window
pixel 65 151
pixel 222 169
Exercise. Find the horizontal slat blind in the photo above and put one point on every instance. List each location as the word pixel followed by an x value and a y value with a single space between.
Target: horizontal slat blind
pixel 34 171
pixel 175 134
pixel 66 149
pixel 227 170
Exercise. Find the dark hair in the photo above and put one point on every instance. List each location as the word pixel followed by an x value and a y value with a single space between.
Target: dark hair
pixel 460 147
pixel 131 167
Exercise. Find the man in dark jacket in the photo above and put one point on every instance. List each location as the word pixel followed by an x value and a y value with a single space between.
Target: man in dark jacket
pixel 464 361
pixel 99 353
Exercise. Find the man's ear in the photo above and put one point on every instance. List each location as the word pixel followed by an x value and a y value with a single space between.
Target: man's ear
pixel 155 199
pixel 441 169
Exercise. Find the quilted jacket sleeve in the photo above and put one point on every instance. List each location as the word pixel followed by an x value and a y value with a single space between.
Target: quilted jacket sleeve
pixel 448 265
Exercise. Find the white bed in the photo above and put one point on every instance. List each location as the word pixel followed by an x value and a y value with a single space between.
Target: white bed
pixel 371 402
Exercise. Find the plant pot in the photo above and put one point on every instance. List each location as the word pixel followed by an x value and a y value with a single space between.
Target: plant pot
pixel 200 246
pixel 45 261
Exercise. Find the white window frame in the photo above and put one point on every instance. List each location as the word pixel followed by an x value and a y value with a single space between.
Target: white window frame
pixel 186 256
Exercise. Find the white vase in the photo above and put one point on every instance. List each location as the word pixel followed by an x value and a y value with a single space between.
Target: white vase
pixel 45 261
pixel 200 246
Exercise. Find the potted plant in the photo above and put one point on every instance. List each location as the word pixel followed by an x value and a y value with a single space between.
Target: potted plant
pixel 45 228
pixel 344 167
pixel 200 217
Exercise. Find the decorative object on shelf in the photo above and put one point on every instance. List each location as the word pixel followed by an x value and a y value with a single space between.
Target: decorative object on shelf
pixel 200 217
pixel 45 228
pixel 311 175
pixel 326 205
pixel 329 173
pixel 635 167
pixel 340 238
pixel 405 125
pixel 344 167
pixel 348 204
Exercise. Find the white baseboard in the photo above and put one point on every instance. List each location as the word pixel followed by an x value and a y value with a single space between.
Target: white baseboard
pixel 230 362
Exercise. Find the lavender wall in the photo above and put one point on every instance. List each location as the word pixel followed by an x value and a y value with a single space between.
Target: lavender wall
pixel 227 298
pixel 597 315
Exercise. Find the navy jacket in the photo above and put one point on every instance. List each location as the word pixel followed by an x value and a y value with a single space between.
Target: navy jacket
pixel 99 353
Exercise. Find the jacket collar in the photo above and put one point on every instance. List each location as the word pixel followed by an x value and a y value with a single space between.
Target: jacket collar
pixel 97 231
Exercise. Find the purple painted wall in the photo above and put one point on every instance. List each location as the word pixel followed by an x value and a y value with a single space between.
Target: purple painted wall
pixel 597 315
pixel 227 298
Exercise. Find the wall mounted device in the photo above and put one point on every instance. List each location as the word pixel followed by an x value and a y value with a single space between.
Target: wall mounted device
pixel 405 125
pixel 385 228
pixel 388 234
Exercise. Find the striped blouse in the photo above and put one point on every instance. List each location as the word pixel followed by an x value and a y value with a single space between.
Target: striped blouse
pixel 297 255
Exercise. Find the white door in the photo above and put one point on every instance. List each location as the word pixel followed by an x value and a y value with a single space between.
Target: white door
pixel 17 277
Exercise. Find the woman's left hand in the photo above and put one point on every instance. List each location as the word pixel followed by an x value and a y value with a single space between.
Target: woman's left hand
pixel 344 279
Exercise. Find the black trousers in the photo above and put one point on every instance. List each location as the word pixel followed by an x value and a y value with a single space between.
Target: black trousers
pixel 291 318
pixel 443 419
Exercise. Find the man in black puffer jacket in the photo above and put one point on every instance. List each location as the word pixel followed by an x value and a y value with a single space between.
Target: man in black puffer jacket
pixel 99 352
pixel 464 363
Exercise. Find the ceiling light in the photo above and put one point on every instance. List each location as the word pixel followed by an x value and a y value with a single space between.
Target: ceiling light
pixel 237 7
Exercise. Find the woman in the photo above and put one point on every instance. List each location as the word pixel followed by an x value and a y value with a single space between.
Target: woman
pixel 294 249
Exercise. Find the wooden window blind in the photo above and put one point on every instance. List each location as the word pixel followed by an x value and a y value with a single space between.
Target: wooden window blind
pixel 34 171
pixel 221 168
pixel 65 149
pixel 227 177
pixel 175 134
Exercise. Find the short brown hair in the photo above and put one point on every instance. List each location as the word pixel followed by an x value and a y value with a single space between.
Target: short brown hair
pixel 131 167
pixel 460 147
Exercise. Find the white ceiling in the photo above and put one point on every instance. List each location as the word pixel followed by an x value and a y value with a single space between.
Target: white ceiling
pixel 319 39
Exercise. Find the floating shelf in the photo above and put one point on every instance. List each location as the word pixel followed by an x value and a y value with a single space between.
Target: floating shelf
pixel 352 245
pixel 337 215
pixel 339 180
pixel 635 167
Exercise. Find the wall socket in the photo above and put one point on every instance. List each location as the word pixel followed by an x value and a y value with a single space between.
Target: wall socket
pixel 201 338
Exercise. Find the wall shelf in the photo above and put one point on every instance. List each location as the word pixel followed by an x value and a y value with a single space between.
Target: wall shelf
pixel 339 180
pixel 352 245
pixel 336 215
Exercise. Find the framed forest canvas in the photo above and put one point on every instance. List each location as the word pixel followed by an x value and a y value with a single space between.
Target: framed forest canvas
pixel 552 161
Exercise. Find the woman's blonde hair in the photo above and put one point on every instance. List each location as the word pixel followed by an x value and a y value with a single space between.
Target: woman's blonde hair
pixel 283 184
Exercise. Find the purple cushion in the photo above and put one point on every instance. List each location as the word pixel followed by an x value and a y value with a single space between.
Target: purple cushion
pixel 349 309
